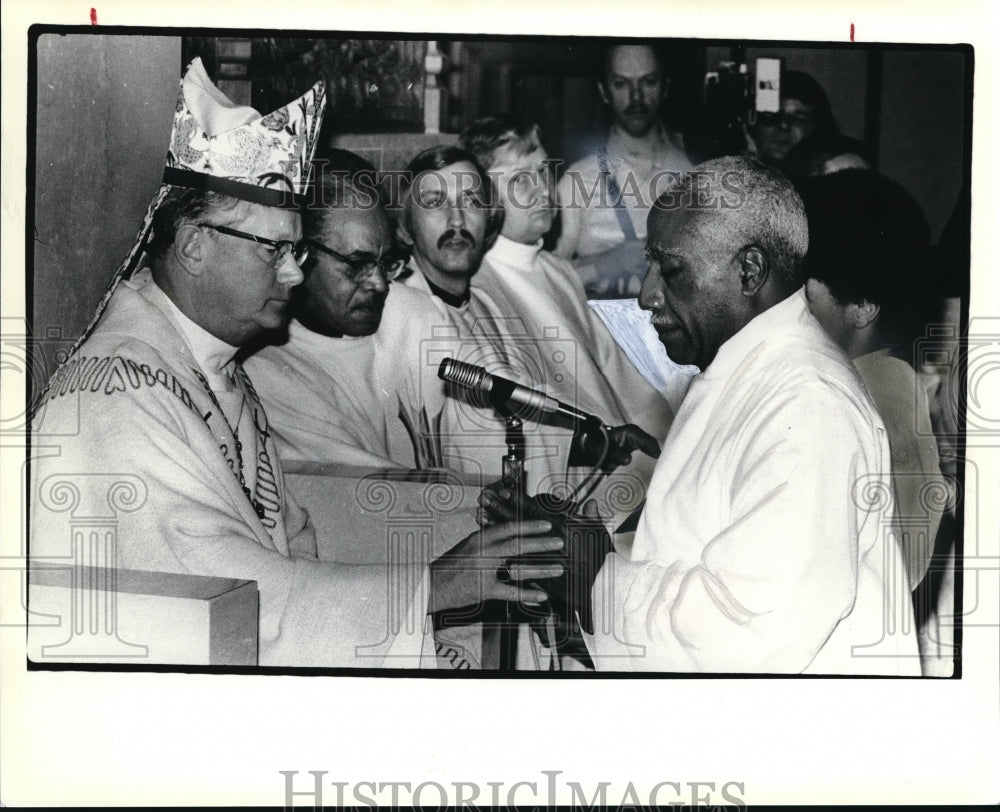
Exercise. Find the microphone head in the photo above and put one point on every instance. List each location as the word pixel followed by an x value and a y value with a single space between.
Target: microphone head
pixel 465 375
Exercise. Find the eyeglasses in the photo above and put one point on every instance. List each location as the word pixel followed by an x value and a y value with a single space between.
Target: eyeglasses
pixel 280 248
pixel 363 267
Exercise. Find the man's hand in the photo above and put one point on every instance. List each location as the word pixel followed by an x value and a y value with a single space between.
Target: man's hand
pixel 587 545
pixel 489 565
pixel 622 441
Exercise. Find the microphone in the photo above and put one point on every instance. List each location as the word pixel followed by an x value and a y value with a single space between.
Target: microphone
pixel 503 392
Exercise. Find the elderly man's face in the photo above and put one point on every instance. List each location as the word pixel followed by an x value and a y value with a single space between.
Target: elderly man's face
pixel 775 134
pixel 524 188
pixel 240 291
pixel 692 289
pixel 633 87
pixel 447 221
pixel 346 294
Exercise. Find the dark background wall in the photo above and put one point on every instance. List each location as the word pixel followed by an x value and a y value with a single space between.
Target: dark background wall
pixel 921 128
pixel 105 104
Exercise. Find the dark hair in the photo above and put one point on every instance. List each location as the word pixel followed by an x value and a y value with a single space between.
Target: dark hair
pixel 180 207
pixel 486 135
pixel 342 160
pixel 439 157
pixel 341 179
pixel 868 241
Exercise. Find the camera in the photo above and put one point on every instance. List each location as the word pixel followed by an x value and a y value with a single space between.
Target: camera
pixel 732 99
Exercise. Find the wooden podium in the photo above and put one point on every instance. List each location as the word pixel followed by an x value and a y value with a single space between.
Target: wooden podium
pixel 102 615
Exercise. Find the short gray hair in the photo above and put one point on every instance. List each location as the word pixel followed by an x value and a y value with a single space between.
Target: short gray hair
pixel 756 204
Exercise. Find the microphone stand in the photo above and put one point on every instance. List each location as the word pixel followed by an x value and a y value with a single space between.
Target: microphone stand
pixel 513 478
pixel 500 636
pixel 500 629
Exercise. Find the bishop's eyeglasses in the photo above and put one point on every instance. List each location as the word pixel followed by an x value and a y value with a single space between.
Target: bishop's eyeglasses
pixel 280 248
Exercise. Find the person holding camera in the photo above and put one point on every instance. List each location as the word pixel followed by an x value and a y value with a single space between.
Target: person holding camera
pixel 805 111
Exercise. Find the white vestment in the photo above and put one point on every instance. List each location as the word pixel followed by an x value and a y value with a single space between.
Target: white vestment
pixel 543 299
pixel 527 320
pixel 764 545
pixel 370 400
pixel 148 400
pixel 484 336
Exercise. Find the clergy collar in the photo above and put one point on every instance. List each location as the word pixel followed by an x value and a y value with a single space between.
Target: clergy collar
pixel 445 296
pixel 449 299
pixel 514 253
pixel 772 321
pixel 212 354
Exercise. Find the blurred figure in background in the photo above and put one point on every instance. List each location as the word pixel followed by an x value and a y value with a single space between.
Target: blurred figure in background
pixel 805 111
pixel 868 246
pixel 606 197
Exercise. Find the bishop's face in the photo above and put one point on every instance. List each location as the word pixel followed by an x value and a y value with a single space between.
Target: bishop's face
pixel 241 289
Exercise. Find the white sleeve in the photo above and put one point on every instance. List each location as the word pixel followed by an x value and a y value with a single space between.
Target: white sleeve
pixel 191 519
pixel 312 423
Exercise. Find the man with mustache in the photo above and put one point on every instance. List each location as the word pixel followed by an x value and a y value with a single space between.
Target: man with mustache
pixel 447 217
pixel 606 196
pixel 450 218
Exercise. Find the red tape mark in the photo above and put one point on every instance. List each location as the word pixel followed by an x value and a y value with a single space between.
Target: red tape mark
pixel 93 16
pixel 852 31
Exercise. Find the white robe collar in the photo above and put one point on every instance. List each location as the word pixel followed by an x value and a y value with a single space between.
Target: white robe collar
pixel 215 357
pixel 775 319
pixel 515 254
